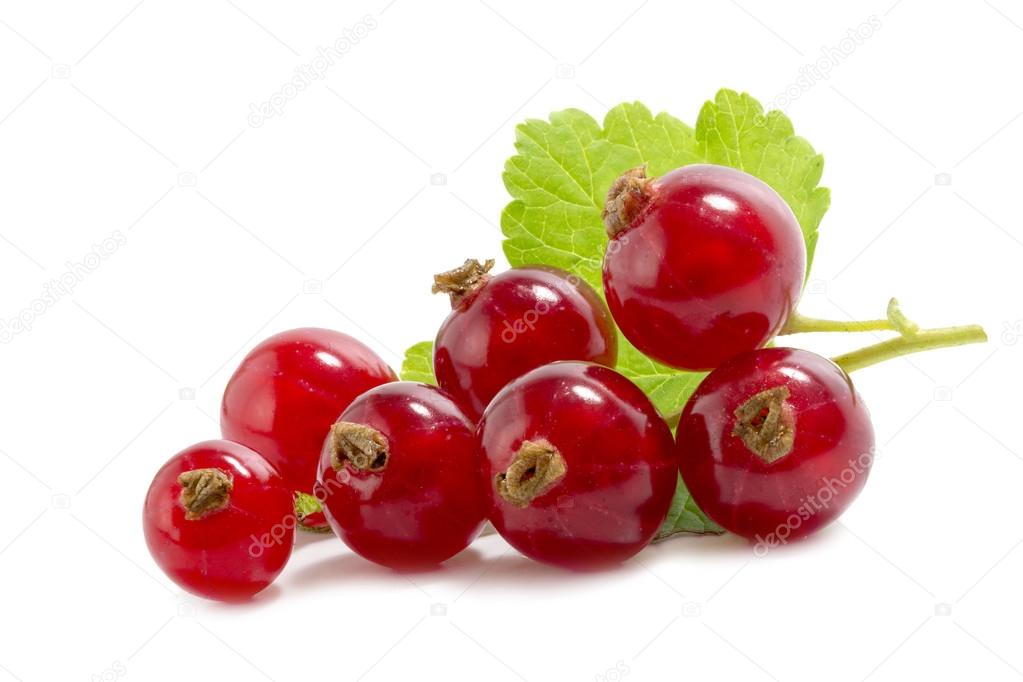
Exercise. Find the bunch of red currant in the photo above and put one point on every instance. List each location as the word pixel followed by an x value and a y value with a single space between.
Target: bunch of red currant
pixel 530 426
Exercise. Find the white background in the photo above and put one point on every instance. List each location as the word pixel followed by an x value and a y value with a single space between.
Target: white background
pixel 134 118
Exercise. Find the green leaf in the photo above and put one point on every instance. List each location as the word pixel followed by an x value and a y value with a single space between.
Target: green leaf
pixel 685 517
pixel 663 142
pixel 557 181
pixel 563 167
pixel 667 388
pixel 418 363
pixel 733 131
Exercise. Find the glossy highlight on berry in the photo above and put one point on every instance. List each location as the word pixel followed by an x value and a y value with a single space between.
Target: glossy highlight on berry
pixel 578 465
pixel 399 477
pixel 289 389
pixel 218 520
pixel 505 325
pixel 775 444
pixel 703 263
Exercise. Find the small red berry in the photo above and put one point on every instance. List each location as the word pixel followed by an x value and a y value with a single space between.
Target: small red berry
pixel 289 389
pixel 399 477
pixel 218 520
pixel 775 444
pixel 578 464
pixel 310 514
pixel 501 327
pixel 704 263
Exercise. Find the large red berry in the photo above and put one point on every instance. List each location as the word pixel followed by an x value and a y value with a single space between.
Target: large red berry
pixel 399 477
pixel 501 327
pixel 775 443
pixel 578 465
pixel 703 263
pixel 289 389
pixel 218 520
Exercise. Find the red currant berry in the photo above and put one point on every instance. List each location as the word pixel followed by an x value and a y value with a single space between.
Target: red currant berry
pixel 501 327
pixel 704 263
pixel 287 392
pixel 218 520
pixel 578 465
pixel 775 444
pixel 310 514
pixel 399 477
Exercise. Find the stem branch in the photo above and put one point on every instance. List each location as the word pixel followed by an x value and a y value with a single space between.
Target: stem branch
pixel 911 338
pixel 910 341
pixel 801 324
pixel 896 321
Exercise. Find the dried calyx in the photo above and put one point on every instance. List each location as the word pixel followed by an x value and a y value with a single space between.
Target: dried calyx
pixel 537 466
pixel 463 280
pixel 361 446
pixel 766 425
pixel 626 199
pixel 204 491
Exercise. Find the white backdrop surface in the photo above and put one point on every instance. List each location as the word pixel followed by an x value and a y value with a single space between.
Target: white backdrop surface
pixel 139 166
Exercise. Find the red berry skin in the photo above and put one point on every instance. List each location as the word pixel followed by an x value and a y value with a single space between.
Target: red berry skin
pixel 710 268
pixel 232 553
pixel 287 392
pixel 519 320
pixel 800 492
pixel 425 505
pixel 316 522
pixel 619 468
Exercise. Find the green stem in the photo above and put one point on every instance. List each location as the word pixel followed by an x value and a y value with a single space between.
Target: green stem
pixel 895 322
pixel 911 341
pixel 801 324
